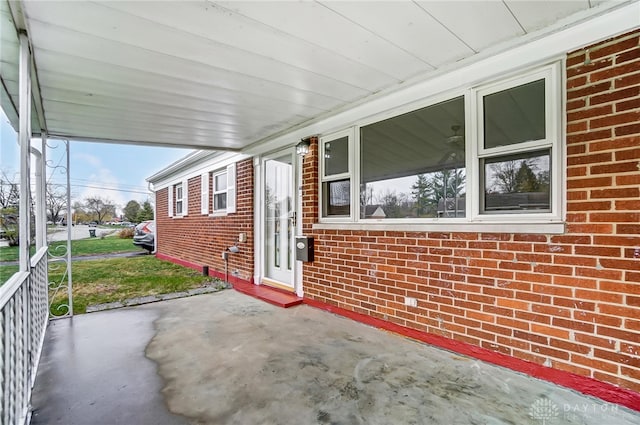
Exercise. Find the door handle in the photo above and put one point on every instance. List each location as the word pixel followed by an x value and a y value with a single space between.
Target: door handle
pixel 292 217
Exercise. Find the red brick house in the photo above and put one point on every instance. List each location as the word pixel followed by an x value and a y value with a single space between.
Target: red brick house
pixel 493 209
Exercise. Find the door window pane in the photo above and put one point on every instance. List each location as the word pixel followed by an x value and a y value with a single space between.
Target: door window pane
pixel 515 115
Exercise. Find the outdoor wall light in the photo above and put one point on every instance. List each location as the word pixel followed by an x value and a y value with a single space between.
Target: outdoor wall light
pixel 302 148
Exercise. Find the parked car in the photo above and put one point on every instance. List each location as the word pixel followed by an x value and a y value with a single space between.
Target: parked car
pixel 144 235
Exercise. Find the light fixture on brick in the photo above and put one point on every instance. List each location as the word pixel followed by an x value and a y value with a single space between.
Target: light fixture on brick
pixel 302 148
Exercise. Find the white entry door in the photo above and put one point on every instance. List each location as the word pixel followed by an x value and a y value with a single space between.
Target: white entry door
pixel 280 220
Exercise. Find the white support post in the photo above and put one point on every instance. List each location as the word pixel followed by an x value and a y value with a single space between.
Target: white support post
pixel 43 191
pixel 25 151
pixel 69 226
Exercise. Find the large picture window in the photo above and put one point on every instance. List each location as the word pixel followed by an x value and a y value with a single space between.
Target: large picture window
pixel 413 165
pixel 492 152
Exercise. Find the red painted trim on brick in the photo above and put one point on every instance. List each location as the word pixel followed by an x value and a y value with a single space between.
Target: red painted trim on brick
pixel 214 273
pixel 583 384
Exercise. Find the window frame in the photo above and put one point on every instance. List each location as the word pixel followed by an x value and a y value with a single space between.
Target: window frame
pixel 178 200
pixel 349 174
pixel 474 154
pixel 553 142
pixel 215 192
pixel 424 103
pixel 230 190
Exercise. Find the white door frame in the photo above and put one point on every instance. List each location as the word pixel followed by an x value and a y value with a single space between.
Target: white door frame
pixel 260 217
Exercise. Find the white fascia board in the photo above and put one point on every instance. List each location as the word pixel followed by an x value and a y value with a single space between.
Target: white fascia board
pixel 175 167
pixel 194 166
pixel 549 44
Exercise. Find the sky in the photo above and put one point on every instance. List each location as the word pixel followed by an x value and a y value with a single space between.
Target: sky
pixel 116 172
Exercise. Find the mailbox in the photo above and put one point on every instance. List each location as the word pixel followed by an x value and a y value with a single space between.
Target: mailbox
pixel 304 248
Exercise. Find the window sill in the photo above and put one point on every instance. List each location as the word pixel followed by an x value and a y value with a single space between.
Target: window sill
pixel 218 214
pixel 467 227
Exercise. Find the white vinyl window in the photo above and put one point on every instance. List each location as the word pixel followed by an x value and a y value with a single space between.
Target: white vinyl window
pixel 487 153
pixel 179 196
pixel 518 145
pixel 223 192
pixel 220 192
pixel 177 199
pixel 412 166
pixel 336 175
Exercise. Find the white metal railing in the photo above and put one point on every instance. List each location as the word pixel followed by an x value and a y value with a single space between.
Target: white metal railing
pixel 23 321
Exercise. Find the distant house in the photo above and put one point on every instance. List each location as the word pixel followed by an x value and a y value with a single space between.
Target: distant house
pixel 542 279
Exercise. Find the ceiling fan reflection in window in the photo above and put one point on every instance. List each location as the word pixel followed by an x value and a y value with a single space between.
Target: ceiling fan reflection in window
pixel 455 147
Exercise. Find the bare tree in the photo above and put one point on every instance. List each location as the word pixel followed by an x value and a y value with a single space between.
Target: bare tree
pixel 56 201
pixel 366 198
pixel 504 178
pixel 80 213
pixel 9 205
pixel 514 176
pixel 9 192
pixel 100 208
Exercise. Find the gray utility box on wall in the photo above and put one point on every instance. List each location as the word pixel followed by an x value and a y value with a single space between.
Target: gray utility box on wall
pixel 304 248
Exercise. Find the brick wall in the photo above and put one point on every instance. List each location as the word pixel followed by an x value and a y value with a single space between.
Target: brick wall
pixel 199 240
pixel 571 301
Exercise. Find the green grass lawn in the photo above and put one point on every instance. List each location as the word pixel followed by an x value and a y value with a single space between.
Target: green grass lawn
pixel 111 279
pixel 117 279
pixel 6 272
pixel 80 247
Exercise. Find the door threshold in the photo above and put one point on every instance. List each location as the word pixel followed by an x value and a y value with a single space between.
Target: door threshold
pixel 273 296
pixel 277 285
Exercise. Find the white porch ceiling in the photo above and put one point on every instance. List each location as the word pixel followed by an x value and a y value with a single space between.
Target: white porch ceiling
pixel 224 75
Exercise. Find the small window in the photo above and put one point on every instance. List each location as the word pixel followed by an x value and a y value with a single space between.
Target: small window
pixel 517 146
pixel 336 175
pixel 220 192
pixel 179 199
pixel 223 190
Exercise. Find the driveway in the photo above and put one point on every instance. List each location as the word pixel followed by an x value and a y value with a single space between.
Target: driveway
pixel 226 358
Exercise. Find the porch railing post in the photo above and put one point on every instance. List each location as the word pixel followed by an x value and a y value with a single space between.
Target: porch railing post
pixel 41 193
pixel 69 225
pixel 25 150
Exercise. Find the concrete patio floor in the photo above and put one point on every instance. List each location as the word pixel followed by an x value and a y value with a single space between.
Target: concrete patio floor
pixel 226 358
